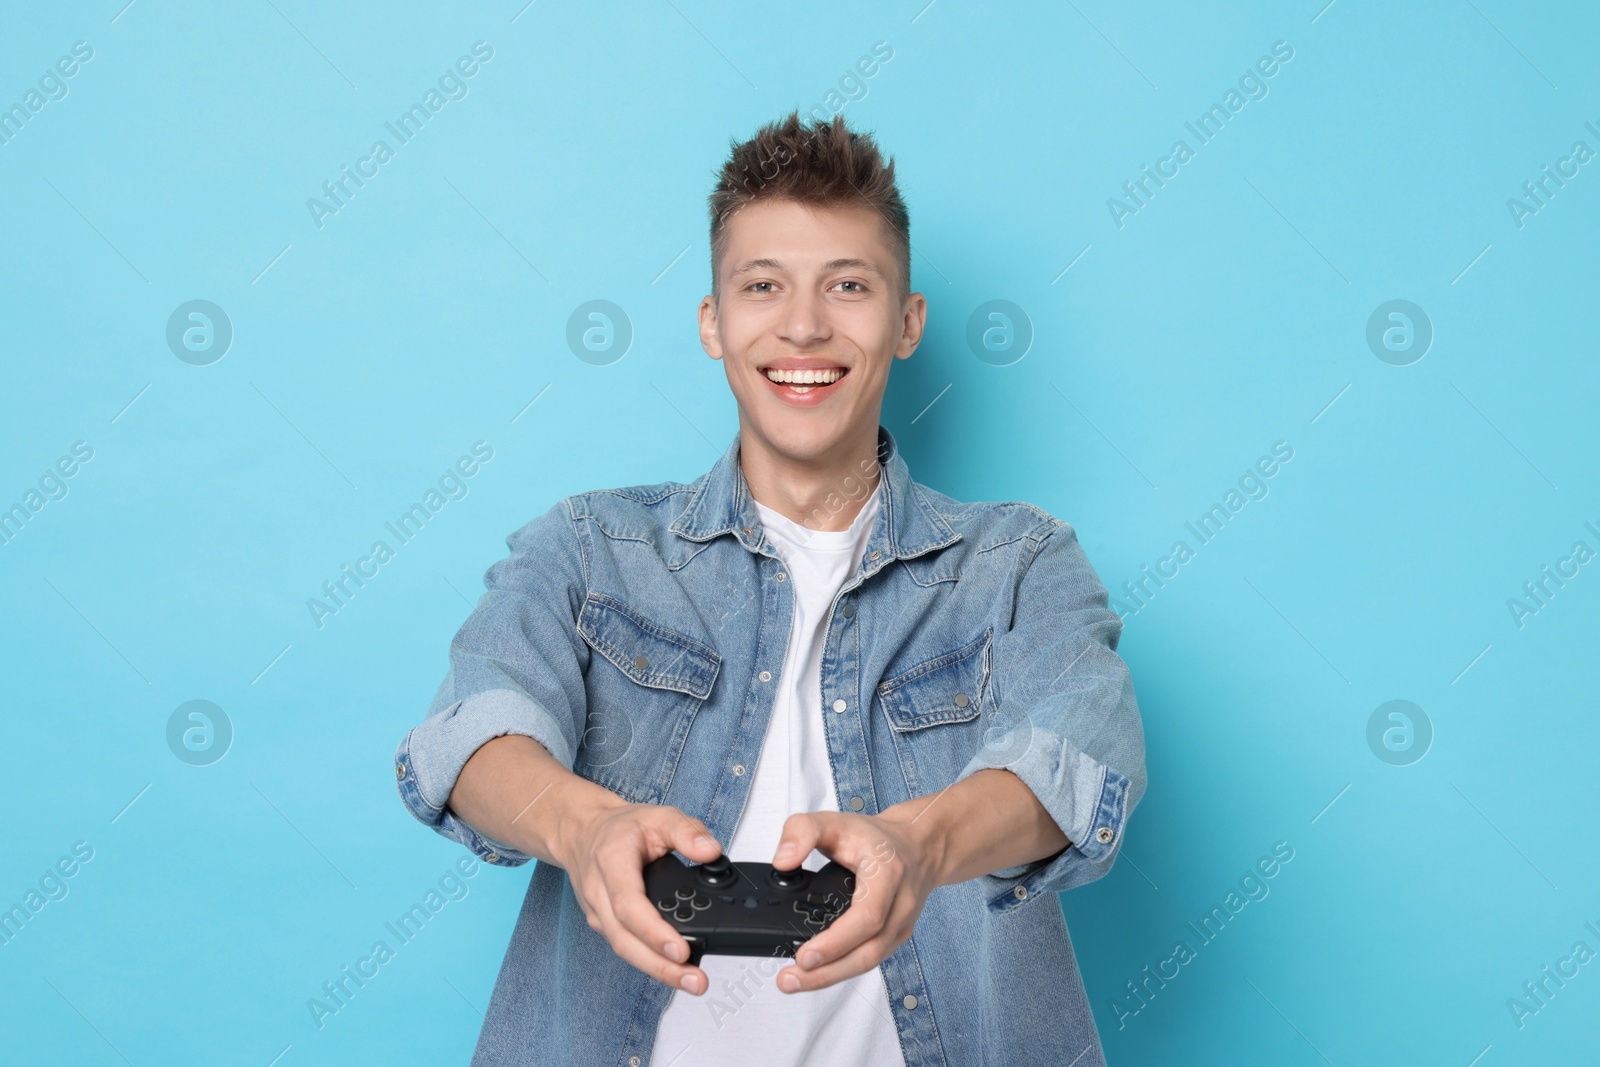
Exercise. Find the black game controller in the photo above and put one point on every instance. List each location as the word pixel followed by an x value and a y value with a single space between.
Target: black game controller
pixel 746 909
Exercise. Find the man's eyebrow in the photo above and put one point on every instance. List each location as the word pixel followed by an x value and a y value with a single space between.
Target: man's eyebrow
pixel 831 265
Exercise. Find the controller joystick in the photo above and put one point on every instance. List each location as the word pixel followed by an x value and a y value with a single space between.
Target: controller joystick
pixel 789 879
pixel 719 872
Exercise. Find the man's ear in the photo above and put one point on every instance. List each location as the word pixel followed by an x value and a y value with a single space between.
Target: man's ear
pixel 913 322
pixel 708 328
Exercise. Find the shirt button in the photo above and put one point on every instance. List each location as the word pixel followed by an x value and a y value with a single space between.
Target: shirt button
pixel 738 769
pixel 765 676
pixel 856 803
pixel 1104 835
pixel 641 663
pixel 399 770
pixel 962 700
pixel 876 555
pixel 839 705
pixel 849 611
pixel 493 857
pixel 747 534
pixel 910 1002
pixel 633 1061
pixel 1021 892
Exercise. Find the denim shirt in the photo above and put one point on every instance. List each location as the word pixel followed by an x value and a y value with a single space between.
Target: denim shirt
pixel 637 633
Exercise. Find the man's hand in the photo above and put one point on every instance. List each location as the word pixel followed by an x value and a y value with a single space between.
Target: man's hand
pixel 986 822
pixel 515 792
pixel 895 867
pixel 604 853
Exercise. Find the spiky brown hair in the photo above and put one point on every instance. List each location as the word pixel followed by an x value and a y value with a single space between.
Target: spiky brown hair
pixel 823 164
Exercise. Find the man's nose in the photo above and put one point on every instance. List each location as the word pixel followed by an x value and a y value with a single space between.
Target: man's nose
pixel 805 318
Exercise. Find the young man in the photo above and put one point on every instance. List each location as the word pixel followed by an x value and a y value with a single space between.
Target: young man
pixel 801 655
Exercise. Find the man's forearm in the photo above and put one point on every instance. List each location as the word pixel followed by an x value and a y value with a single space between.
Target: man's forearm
pixel 986 822
pixel 514 792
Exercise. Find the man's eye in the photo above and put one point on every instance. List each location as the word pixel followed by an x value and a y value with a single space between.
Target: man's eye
pixel 858 286
pixel 754 284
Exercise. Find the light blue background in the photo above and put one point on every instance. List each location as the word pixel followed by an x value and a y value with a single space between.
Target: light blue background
pixel 1228 314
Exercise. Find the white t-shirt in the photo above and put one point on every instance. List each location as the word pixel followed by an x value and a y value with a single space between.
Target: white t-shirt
pixel 743 1017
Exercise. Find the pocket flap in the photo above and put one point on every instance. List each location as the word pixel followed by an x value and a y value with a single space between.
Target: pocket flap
pixel 946 688
pixel 650 654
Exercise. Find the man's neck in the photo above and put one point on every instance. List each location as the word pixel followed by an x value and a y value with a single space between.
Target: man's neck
pixel 826 493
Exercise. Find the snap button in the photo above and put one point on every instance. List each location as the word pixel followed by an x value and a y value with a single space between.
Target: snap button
pixel 738 769
pixel 1021 892
pixel 399 770
pixel 962 700
pixel 910 1002
pixel 839 705
pixel 849 611
pixel 1104 835
pixel 633 1061
pixel 765 676
pixel 747 534
pixel 641 663
pixel 493 857
pixel 876 555
pixel 856 803
pixel 781 576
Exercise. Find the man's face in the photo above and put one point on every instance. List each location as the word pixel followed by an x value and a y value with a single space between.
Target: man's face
pixel 810 293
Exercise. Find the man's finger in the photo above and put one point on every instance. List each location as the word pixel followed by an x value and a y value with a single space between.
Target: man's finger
pixel 864 918
pixel 859 960
pixel 802 832
pixel 639 915
pixel 639 936
pixel 652 962
pixel 690 837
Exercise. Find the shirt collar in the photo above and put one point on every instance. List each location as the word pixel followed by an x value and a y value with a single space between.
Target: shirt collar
pixel 907 524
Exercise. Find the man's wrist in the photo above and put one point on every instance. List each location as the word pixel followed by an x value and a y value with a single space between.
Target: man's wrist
pixel 571 803
pixel 987 822
pixel 921 820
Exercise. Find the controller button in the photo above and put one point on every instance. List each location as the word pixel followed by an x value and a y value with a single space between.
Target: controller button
pixel 684 913
pixel 684 892
pixel 666 905
pixel 751 902
pixel 700 902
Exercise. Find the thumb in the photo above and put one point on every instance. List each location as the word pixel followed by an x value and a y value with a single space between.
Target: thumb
pixel 800 835
pixel 690 837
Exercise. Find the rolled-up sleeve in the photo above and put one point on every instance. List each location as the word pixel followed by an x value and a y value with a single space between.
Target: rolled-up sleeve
pixel 1065 719
pixel 516 667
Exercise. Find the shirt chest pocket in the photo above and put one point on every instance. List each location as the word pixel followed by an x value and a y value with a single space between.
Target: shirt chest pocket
pixel 934 709
pixel 643 693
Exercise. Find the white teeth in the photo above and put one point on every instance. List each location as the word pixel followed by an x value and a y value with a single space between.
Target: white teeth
pixel 806 377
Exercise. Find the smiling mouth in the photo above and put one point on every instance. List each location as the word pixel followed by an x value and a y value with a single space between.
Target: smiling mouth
pixel 804 381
